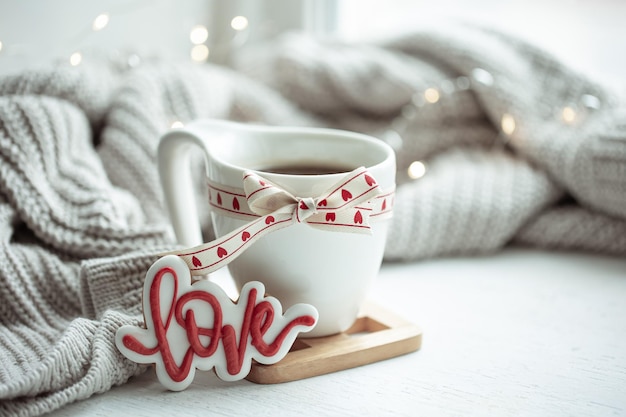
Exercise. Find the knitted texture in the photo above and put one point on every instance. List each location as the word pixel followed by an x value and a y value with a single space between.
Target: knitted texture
pixel 81 216
pixel 482 185
pixel 81 211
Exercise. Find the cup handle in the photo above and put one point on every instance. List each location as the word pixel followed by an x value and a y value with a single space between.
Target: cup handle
pixel 173 158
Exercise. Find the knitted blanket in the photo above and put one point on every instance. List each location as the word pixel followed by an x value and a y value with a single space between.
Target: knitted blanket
pixel 517 149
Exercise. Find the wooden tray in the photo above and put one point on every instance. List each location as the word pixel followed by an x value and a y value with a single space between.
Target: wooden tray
pixel 376 335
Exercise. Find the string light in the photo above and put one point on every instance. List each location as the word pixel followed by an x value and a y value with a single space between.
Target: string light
pixel 431 95
pixel 591 102
pixel 393 136
pixel 568 115
pixel 100 22
pixel 482 76
pixel 200 53
pixel 239 23
pixel 507 124
pixel 463 83
pixel 416 170
pixel 75 59
pixel 198 35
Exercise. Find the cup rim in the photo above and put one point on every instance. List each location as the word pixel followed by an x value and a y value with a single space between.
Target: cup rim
pixel 305 132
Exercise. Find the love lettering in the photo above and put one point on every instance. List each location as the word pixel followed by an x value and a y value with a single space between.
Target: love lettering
pixel 197 326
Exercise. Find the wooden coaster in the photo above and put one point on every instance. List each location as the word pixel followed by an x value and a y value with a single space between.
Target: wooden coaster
pixel 376 335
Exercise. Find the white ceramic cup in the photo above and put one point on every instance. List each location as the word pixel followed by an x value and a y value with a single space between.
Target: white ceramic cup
pixel 298 264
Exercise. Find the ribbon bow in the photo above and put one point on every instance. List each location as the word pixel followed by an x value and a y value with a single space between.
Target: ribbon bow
pixel 347 206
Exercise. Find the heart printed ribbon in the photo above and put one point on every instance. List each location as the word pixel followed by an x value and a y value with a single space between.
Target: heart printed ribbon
pixel 347 206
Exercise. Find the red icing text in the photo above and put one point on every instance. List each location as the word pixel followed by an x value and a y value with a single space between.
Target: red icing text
pixel 238 332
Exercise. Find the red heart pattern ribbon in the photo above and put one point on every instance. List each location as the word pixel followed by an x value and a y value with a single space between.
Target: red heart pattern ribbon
pixel 348 206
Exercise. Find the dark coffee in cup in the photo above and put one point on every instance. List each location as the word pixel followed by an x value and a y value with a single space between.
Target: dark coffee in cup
pixel 307 168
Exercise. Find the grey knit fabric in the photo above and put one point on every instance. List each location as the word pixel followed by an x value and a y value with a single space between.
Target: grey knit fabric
pixel 483 188
pixel 81 213
pixel 81 216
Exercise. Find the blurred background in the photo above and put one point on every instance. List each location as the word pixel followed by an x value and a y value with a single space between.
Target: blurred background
pixel 590 36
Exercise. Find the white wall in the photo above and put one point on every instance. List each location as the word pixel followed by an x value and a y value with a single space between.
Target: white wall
pixel 588 35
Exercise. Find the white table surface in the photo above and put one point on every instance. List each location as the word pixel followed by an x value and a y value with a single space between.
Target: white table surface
pixel 522 332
